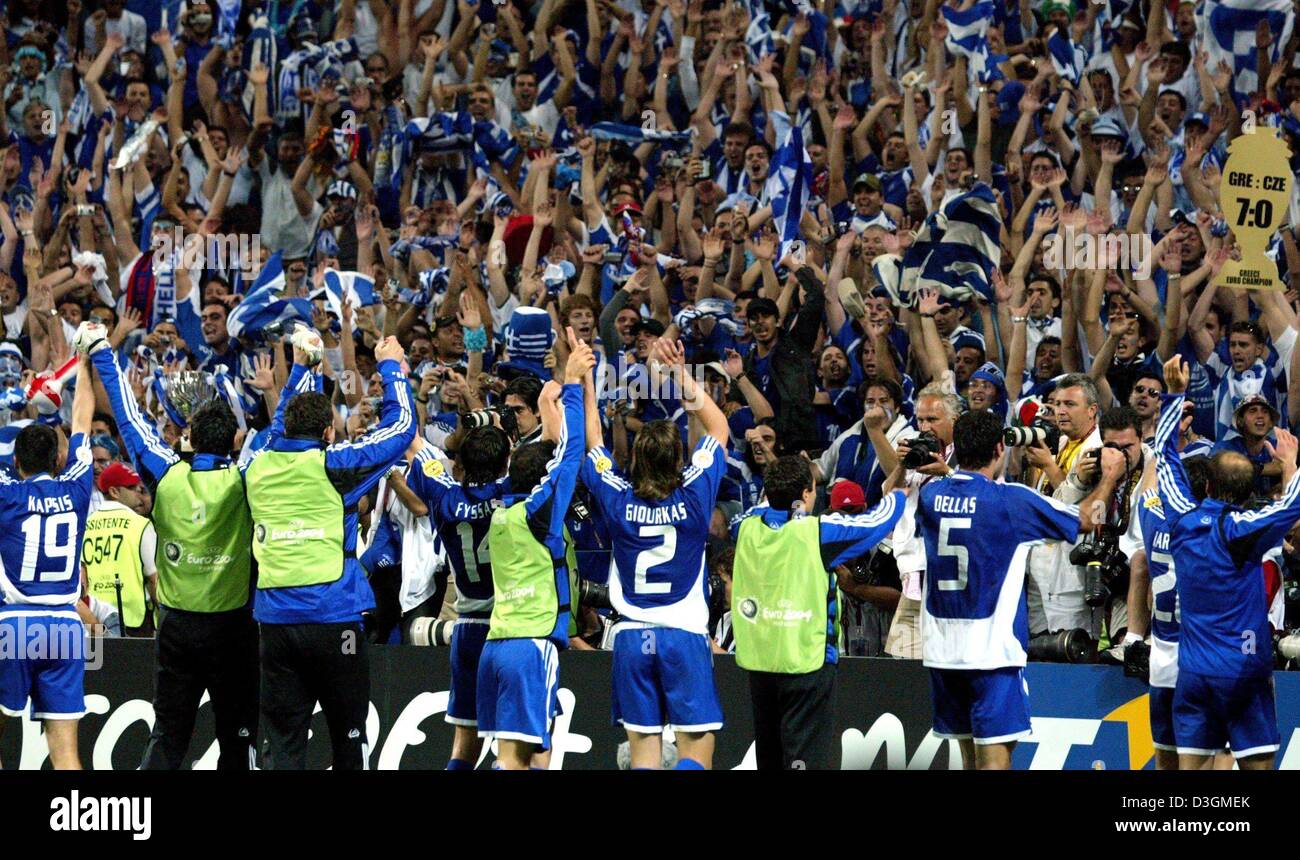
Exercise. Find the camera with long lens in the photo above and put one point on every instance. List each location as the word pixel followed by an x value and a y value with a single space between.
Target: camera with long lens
pixel 1039 432
pixel 593 594
pixel 1062 646
pixel 430 632
pixel 1103 564
pixel 922 449
pixel 483 418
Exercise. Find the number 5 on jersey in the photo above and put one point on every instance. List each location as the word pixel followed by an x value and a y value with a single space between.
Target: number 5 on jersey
pixel 955 551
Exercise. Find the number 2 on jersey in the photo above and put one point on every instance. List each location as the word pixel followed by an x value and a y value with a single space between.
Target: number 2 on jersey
pixel 57 546
pixel 955 551
pixel 649 558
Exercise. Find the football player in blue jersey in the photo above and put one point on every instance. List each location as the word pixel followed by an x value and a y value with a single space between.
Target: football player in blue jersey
pixel 658 518
pixel 974 625
pixel 42 520
pixel 1224 692
pixel 461 512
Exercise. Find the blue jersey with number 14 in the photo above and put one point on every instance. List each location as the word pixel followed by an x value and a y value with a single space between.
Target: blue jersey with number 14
pixel 657 563
pixel 42 520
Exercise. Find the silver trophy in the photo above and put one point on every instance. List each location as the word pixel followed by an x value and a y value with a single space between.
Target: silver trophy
pixel 187 391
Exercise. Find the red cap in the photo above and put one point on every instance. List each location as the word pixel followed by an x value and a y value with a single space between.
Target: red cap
pixel 632 207
pixel 846 495
pixel 117 475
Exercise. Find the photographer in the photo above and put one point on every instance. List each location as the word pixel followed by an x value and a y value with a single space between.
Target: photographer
pixel 883 425
pixel 521 399
pixel 1055 587
pixel 937 409
pixel 870 585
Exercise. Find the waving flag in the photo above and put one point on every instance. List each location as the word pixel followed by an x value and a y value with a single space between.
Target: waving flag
pixel 968 37
pixel 1068 58
pixel 441 132
pixel 635 134
pixel 956 249
pixel 359 289
pixel 1228 28
pixel 758 38
pixel 263 305
pixel 789 182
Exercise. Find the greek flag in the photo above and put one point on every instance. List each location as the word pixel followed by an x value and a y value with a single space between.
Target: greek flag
pixel 442 132
pixel 956 249
pixel 758 38
pixel 789 182
pixel 968 37
pixel 634 134
pixel 263 305
pixel 359 289
pixel 228 19
pixel 496 143
pixel 1068 58
pixel 1228 30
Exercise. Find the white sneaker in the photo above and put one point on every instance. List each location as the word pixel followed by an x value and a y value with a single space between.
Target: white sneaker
pixel 308 340
pixel 91 337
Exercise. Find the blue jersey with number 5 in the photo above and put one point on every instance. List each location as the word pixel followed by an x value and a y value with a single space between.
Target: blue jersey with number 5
pixel 657 571
pixel 42 520
pixel 977 540
pixel 461 516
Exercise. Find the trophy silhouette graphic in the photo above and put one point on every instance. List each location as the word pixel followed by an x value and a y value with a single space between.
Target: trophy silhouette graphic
pixel 1254 194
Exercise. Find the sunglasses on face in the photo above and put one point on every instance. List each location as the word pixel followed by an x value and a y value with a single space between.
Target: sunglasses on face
pixel 1147 389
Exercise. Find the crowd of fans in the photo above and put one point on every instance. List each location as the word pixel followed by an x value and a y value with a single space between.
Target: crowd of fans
pixel 749 178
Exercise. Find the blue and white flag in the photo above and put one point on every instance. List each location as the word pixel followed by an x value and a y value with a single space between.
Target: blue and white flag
pixel 228 17
pixel 758 38
pixel 441 132
pixel 789 182
pixel 359 289
pixel 1228 30
pixel 968 37
pixel 263 305
pixel 956 249
pixel 634 134
pixel 1068 58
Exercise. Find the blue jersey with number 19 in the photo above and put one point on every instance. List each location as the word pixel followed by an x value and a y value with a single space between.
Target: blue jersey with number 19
pixel 657 564
pixel 977 539
pixel 42 520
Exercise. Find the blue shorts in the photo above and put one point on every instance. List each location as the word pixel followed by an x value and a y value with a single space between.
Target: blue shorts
pixel 42 661
pixel 663 677
pixel 467 639
pixel 989 705
pixel 518 680
pixel 1213 713
pixel 1162 719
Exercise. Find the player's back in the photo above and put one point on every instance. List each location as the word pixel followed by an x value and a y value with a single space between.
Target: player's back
pixel 977 538
pixel 1224 631
pixel 462 516
pixel 42 520
pixel 1160 564
pixel 657 573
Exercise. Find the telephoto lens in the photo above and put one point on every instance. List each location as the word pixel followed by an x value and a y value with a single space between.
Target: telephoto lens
pixel 593 594
pixel 1095 592
pixel 1063 646
pixel 477 418
pixel 430 632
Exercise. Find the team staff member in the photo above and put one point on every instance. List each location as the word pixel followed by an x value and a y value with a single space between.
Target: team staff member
pixel 207 639
pixel 518 672
pixel 118 552
pixel 303 490
pixel 784 612
pixel 1224 692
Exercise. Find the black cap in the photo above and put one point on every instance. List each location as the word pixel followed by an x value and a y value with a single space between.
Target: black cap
pixel 653 327
pixel 761 307
pixel 444 322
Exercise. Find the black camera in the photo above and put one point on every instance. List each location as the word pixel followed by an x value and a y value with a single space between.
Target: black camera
pixel 1103 565
pixel 922 449
pixel 1038 432
pixel 593 594
pixel 717 598
pixel 1063 646
pixel 483 418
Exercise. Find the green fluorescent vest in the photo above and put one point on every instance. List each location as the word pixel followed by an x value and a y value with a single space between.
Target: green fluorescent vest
pixel 525 602
pixel 111 550
pixel 779 597
pixel 204 539
pixel 297 519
